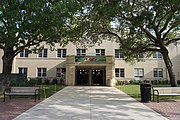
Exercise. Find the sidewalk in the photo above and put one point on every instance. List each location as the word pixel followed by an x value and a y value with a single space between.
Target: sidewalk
pixel 90 103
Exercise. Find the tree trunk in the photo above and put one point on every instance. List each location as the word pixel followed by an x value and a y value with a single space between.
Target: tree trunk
pixel 169 67
pixel 7 66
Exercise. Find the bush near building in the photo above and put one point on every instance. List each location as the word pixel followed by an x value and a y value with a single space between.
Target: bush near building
pixel 137 82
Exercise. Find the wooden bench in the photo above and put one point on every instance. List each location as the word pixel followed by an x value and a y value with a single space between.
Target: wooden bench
pixel 22 91
pixel 165 91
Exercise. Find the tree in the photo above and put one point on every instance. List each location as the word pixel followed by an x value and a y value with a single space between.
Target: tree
pixel 27 23
pixel 138 25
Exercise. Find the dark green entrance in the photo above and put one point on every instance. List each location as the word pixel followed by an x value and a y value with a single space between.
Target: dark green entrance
pixel 90 76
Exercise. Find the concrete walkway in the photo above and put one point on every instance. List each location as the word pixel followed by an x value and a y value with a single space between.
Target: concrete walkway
pixel 90 103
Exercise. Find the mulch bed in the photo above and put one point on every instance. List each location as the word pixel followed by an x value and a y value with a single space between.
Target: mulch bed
pixel 168 108
pixel 14 107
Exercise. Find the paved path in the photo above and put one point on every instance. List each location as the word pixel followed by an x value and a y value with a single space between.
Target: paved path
pixel 90 103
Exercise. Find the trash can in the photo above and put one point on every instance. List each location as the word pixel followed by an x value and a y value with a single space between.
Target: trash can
pixel 145 89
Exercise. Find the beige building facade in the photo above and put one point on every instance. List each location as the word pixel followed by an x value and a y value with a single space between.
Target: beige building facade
pixel 101 64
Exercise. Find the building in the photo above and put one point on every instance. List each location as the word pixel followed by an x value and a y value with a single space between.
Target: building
pixel 101 64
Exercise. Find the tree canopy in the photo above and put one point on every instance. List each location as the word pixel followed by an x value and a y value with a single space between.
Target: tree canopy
pixel 27 23
pixel 145 26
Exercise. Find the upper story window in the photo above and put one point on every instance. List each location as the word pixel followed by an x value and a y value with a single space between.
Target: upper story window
pixel 61 53
pixel 43 53
pixel 157 55
pixel 100 52
pixel 41 72
pixel 119 72
pixel 81 52
pixel 139 72
pixel 23 70
pixel 118 54
pixel 158 72
pixel 140 55
pixel 24 53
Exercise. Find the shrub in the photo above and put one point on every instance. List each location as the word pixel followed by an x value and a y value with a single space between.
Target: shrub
pixel 178 82
pixel 126 82
pixel 39 81
pixel 55 81
pixel 159 82
pixel 152 82
pixel 131 82
pixel 46 81
pixel 31 82
pixel 166 81
pixel 136 82
pixel 18 83
pixel 155 82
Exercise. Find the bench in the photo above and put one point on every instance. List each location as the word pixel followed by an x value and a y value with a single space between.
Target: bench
pixel 22 91
pixel 165 91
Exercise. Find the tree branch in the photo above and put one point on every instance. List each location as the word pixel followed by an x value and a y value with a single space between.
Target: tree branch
pixel 20 48
pixel 173 25
pixel 161 19
pixel 148 33
pixel 172 41
pixel 166 24
pixel 113 34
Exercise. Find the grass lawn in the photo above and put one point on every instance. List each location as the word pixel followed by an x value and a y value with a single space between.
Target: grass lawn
pixel 134 91
pixel 48 90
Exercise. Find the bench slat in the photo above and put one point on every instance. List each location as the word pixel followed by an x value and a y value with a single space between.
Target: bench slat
pixel 22 91
pixel 165 91
pixel 20 94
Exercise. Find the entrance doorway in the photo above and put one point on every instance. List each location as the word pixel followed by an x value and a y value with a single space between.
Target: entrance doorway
pixel 82 77
pixel 97 77
pixel 90 76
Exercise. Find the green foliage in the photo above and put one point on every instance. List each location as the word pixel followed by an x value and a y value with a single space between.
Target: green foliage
pixel 138 26
pixel 137 82
pixel 47 81
pixel 25 23
pixel 28 23
pixel 54 81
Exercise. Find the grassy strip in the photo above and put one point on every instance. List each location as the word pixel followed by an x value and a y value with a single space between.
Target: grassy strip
pixel 48 90
pixel 131 90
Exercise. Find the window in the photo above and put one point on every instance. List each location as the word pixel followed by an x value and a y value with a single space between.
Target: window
pixel 100 52
pixel 42 72
pixel 118 54
pixel 60 72
pixel 158 72
pixel 81 52
pixel 119 72
pixel 43 53
pixel 140 55
pixel 157 55
pixel 61 53
pixel 23 70
pixel 138 72
pixel 24 53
